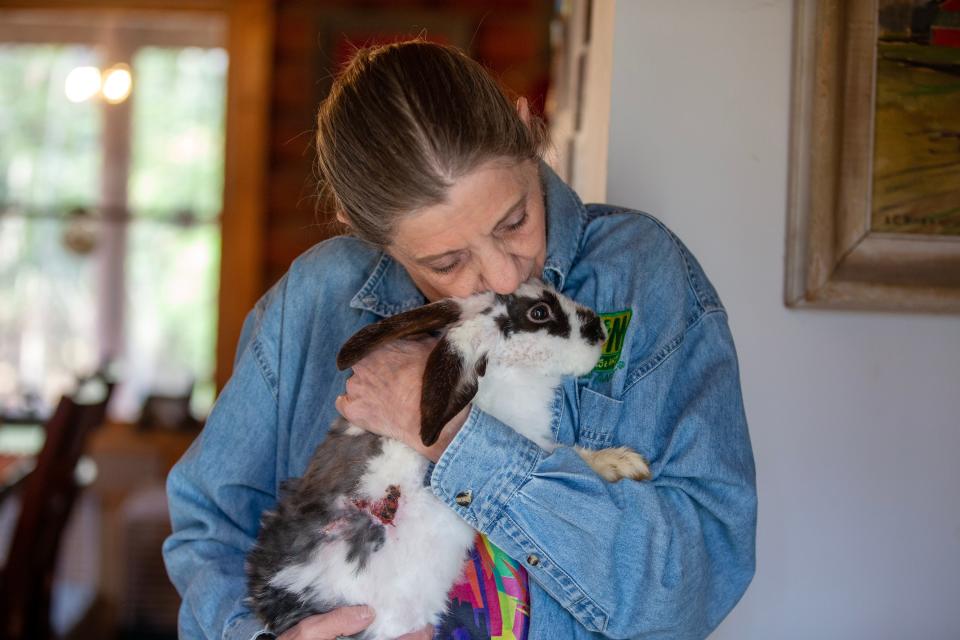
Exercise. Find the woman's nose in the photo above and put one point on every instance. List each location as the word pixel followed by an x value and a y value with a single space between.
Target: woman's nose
pixel 500 273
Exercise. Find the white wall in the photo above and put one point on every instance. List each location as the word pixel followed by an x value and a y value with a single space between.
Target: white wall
pixel 855 417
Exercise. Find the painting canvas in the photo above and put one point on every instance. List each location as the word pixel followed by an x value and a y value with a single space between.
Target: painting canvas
pixel 916 161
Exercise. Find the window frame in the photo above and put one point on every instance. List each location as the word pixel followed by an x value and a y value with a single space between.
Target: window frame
pixel 249 46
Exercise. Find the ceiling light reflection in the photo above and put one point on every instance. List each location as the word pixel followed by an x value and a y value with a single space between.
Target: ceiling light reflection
pixel 82 84
pixel 117 84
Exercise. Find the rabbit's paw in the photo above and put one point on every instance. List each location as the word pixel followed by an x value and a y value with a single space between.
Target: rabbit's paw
pixel 616 463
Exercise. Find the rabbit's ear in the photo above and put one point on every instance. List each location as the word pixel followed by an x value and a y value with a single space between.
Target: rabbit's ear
pixel 403 325
pixel 448 385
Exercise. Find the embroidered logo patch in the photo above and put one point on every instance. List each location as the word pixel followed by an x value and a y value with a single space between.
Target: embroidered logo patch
pixel 616 324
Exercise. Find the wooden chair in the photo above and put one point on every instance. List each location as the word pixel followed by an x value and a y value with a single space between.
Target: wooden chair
pixel 48 494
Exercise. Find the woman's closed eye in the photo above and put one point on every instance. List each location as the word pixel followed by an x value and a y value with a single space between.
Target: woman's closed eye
pixel 446 268
pixel 514 226
pixel 506 228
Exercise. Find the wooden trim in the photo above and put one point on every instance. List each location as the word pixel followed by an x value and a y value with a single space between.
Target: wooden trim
pixel 856 155
pixel 179 28
pixel 594 136
pixel 801 142
pixel 903 260
pixel 578 104
pixel 250 50
pixel 150 5
pixel 112 251
pixel 833 258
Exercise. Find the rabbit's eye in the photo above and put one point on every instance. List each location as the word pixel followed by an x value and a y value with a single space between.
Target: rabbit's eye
pixel 539 312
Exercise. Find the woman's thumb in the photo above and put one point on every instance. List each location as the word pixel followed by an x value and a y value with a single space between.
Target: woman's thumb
pixel 344 621
pixel 356 618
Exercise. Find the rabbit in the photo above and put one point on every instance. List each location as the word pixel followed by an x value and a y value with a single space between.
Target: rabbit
pixel 362 525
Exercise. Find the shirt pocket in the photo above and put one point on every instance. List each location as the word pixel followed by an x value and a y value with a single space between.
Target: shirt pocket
pixel 599 415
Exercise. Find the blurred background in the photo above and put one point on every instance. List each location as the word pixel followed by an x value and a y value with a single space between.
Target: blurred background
pixel 156 177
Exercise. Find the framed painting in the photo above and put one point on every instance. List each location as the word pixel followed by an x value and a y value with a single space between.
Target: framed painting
pixel 874 191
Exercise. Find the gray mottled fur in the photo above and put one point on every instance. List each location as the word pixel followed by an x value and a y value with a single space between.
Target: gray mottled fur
pixel 289 535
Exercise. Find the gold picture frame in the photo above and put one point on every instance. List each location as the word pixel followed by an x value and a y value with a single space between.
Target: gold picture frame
pixel 834 258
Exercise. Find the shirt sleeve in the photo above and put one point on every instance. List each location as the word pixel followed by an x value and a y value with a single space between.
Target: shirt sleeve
pixel 665 558
pixel 217 492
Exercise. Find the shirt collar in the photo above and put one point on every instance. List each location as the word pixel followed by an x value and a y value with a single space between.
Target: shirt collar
pixel 390 290
pixel 566 220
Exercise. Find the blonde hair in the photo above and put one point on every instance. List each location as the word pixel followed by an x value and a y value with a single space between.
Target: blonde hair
pixel 402 122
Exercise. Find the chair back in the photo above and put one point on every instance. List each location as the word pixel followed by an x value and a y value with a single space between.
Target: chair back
pixel 47 496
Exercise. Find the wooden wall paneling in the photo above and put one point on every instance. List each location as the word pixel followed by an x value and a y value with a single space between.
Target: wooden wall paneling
pixel 250 50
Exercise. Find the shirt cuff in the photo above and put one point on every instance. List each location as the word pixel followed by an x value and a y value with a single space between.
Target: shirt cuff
pixel 482 469
pixel 246 627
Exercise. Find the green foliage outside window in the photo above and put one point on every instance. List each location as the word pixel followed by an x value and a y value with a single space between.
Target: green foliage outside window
pixel 51 159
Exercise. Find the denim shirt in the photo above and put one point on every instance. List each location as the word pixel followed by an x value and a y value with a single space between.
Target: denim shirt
pixel 665 558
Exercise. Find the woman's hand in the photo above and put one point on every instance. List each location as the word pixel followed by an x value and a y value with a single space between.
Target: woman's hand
pixel 423 634
pixel 383 395
pixel 344 621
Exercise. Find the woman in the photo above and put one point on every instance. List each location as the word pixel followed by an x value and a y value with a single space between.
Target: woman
pixel 439 178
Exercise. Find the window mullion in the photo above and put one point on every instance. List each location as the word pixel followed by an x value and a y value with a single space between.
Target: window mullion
pixel 111 281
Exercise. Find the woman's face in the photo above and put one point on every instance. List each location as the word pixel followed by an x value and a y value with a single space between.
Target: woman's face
pixel 489 234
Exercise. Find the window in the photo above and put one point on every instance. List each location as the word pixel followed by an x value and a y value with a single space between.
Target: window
pixel 109 206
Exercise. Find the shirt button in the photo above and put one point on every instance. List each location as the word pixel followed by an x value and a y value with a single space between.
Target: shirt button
pixel 533 560
pixel 464 498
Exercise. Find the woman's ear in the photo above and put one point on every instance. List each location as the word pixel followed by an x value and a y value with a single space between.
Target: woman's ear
pixel 342 218
pixel 523 110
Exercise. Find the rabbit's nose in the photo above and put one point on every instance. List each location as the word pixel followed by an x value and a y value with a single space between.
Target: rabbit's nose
pixel 592 329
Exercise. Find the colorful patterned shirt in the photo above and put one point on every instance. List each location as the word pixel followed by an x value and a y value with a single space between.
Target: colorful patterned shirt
pixel 491 600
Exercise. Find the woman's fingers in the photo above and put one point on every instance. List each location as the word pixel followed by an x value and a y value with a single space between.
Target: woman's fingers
pixel 423 634
pixel 383 393
pixel 344 621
